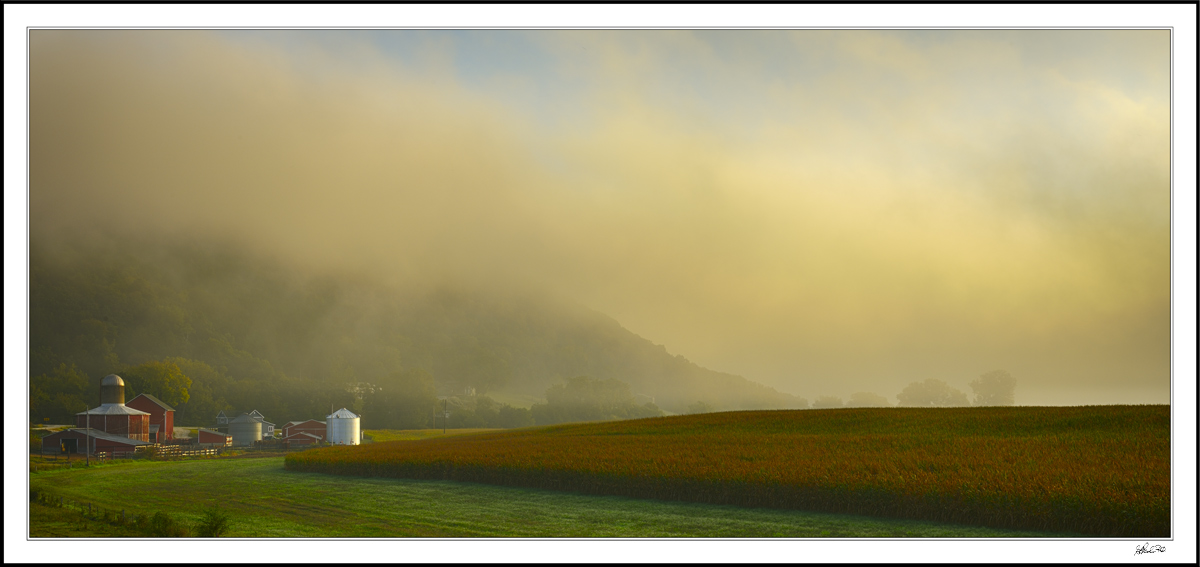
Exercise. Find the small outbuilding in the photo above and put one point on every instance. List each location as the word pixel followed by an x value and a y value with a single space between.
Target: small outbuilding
pixel 310 426
pixel 245 430
pixel 91 441
pixel 300 439
pixel 213 438
pixel 64 442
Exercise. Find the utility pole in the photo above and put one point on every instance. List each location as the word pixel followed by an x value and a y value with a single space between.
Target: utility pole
pixel 87 425
pixel 445 414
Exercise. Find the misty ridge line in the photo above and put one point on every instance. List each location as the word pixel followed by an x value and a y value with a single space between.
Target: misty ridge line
pixel 354 310
pixel 824 244
pixel 234 330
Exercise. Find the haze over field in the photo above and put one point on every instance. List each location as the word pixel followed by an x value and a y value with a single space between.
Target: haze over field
pixel 824 212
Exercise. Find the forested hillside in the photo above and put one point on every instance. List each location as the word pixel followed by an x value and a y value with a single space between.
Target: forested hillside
pixel 252 333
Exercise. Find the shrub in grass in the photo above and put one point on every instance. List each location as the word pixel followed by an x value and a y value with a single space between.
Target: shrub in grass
pixel 163 525
pixel 214 523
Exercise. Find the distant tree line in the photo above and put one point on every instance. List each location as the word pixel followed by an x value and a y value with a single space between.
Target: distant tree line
pixel 469 412
pixel 995 388
pixel 587 399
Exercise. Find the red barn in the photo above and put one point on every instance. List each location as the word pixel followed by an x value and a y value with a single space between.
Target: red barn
pixel 113 416
pixel 90 441
pixel 300 438
pixel 209 437
pixel 161 415
pixel 310 426
pixel 116 419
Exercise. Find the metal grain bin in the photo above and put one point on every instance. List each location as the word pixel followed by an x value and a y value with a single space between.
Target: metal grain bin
pixel 245 430
pixel 342 427
pixel 112 390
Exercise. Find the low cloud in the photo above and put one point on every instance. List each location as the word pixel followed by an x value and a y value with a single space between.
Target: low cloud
pixel 825 212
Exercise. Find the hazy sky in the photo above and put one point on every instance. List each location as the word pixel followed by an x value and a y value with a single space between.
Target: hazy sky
pixel 822 211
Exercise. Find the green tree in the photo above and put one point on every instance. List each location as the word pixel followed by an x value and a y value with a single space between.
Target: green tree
pixel 996 388
pixel 205 395
pixel 161 379
pixel 61 394
pixel 932 393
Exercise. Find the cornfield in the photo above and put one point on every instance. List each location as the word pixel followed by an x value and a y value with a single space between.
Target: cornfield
pixel 1096 470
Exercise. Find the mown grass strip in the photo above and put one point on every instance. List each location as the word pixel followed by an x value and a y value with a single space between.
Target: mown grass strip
pixel 264 500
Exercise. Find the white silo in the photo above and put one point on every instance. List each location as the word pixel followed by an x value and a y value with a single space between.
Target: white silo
pixel 342 427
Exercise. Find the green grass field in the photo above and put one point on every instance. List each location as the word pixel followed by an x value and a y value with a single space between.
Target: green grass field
pixel 267 501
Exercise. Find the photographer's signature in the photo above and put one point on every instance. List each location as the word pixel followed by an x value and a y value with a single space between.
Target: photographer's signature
pixel 1147 548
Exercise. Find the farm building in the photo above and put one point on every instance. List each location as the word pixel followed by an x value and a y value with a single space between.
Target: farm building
pixel 209 437
pixel 310 426
pixel 343 428
pixel 300 438
pixel 162 417
pixel 245 430
pixel 91 441
pixel 113 416
pixel 223 421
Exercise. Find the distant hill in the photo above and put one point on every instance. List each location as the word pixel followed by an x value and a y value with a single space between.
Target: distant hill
pixel 261 330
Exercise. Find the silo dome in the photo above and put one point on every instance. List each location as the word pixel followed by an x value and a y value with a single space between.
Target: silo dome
pixel 112 390
pixel 342 427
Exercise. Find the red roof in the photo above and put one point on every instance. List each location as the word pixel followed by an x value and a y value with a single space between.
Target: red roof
pixel 95 434
pixel 153 400
pixel 295 423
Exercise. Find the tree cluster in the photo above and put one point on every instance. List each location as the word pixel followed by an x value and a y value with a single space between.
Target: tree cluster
pixel 469 412
pixel 587 399
pixel 994 388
